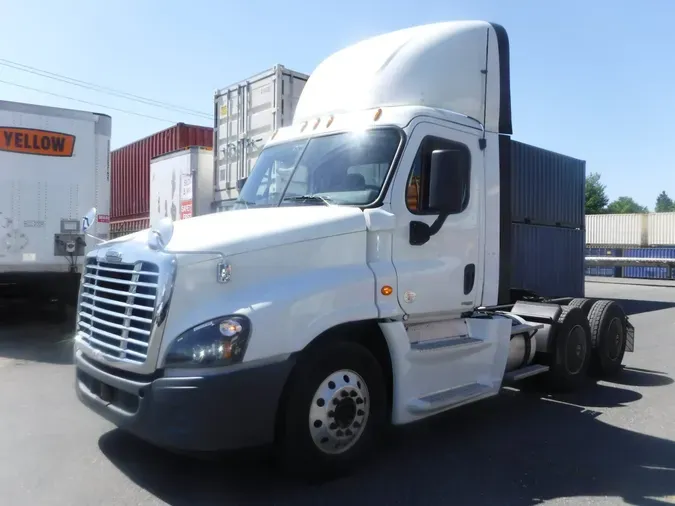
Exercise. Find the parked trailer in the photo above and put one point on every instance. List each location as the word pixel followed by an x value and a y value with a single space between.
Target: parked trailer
pixel 181 184
pixel 246 114
pixel 54 166
pixel 353 297
pixel 130 169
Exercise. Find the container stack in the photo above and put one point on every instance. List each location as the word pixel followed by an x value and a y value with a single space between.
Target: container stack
pixel 130 174
pixel 645 235
pixel 246 115
pixel 547 215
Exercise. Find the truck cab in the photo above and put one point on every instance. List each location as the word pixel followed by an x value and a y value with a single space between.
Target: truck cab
pixel 363 278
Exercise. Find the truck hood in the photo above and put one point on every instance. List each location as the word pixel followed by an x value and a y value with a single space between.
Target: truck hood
pixel 240 231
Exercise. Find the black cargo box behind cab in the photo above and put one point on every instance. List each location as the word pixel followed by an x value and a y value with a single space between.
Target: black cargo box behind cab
pixel 543 221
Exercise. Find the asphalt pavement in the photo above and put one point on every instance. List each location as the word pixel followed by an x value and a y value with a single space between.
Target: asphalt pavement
pixel 612 443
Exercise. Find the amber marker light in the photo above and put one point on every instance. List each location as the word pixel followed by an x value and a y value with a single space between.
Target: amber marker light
pixel 378 113
pixel 386 290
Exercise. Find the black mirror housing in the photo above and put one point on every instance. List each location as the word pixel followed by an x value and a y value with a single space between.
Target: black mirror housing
pixel 448 181
pixel 240 183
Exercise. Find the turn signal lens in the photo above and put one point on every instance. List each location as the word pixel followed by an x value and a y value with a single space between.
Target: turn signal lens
pixel 386 290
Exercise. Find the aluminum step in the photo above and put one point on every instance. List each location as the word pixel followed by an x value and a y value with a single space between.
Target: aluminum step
pixel 450 397
pixel 446 342
pixel 525 372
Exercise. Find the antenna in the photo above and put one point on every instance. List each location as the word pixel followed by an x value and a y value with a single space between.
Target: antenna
pixel 482 142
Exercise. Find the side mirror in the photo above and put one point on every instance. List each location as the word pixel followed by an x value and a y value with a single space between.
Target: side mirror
pixel 240 183
pixel 448 181
pixel 89 219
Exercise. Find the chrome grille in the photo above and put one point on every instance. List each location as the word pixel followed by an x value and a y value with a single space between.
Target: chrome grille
pixel 116 310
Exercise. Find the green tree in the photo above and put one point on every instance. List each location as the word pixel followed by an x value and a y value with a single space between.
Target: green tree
pixel 596 197
pixel 664 203
pixel 625 205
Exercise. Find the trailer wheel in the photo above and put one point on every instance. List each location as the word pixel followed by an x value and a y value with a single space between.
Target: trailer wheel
pixel 571 350
pixel 608 335
pixel 584 304
pixel 335 406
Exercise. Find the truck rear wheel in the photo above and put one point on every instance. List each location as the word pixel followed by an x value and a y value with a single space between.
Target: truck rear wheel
pixel 571 356
pixel 335 406
pixel 608 334
pixel 584 304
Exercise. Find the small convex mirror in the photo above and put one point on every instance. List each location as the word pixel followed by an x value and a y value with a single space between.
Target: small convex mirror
pixel 89 219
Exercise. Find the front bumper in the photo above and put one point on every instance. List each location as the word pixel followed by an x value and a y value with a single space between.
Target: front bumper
pixel 226 409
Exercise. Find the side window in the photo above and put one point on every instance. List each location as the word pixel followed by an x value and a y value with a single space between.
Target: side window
pixel 417 189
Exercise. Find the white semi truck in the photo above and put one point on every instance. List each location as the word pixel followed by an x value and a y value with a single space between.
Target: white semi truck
pixel 54 165
pixel 371 288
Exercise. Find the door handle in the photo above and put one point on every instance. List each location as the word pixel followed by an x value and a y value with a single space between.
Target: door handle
pixel 469 278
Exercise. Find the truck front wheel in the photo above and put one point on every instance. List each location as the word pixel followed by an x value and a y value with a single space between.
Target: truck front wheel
pixel 335 406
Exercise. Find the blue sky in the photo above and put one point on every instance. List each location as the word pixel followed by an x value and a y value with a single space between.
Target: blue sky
pixel 592 79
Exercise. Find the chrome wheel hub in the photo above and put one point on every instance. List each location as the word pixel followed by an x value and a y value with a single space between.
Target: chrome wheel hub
pixel 339 412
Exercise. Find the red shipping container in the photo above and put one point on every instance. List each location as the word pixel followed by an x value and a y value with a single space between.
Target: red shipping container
pixel 130 167
pixel 124 227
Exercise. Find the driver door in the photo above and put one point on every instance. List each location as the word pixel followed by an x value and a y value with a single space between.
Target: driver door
pixel 443 278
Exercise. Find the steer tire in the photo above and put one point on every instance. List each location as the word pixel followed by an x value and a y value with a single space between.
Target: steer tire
pixel 319 404
pixel 584 304
pixel 608 334
pixel 571 353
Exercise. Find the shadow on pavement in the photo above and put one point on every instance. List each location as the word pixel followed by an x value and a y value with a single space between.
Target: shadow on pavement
pixel 633 376
pixel 32 334
pixel 520 448
pixel 634 306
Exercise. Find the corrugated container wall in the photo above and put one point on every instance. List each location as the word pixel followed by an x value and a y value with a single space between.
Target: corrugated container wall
pixel 547 188
pixel 640 271
pixel 605 271
pixel 535 249
pixel 661 229
pixel 246 115
pixel 130 167
pixel 616 229
pixel 124 227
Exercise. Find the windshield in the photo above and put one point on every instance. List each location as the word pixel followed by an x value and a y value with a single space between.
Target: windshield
pixel 346 168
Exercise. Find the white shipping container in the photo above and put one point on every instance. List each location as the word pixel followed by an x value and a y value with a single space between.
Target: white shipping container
pixel 246 115
pixel 55 167
pixel 181 184
pixel 661 229
pixel 616 229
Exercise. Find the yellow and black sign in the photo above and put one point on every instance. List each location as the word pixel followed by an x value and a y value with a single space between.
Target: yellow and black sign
pixel 36 142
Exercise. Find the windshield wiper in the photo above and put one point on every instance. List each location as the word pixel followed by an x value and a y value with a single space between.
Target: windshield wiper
pixel 312 198
pixel 245 202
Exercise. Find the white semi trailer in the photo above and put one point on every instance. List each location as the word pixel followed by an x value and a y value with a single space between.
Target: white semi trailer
pixel 181 184
pixel 371 288
pixel 54 165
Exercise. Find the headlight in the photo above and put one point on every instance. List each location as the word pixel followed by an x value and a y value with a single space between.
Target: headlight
pixel 218 342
